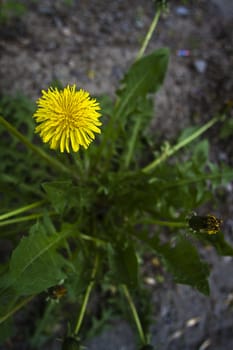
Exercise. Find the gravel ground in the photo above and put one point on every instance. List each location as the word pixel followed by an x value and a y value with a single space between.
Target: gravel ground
pixel 92 44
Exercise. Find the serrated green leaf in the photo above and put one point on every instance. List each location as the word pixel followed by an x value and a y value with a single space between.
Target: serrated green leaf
pixel 58 194
pixel 35 265
pixel 145 76
pixel 184 263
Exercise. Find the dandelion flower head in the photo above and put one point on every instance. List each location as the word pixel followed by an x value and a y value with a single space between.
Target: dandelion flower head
pixel 67 119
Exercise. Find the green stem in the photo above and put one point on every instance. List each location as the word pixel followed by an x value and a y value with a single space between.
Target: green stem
pixel 135 315
pixel 98 241
pixel 149 34
pixel 21 210
pixel 163 223
pixel 52 161
pixel 87 296
pixel 78 161
pixel 170 151
pixel 21 219
pixel 16 308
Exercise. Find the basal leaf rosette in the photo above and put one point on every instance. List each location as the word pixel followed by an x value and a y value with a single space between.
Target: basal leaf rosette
pixel 67 119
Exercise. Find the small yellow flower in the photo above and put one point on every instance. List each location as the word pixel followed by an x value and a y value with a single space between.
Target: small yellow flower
pixel 67 117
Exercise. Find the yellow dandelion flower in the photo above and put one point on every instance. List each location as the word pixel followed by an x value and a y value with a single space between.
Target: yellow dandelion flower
pixel 67 118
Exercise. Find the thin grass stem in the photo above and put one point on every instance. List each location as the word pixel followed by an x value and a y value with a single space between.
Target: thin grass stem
pixel 170 151
pixel 22 219
pixel 135 315
pixel 87 296
pixel 164 223
pixel 149 34
pixel 21 210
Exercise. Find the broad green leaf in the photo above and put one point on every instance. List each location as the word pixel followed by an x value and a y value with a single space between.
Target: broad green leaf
pixel 184 263
pixel 35 265
pixel 124 263
pixel 145 76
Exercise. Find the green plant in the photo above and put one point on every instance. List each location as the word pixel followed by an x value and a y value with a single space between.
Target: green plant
pixel 92 211
pixel 11 9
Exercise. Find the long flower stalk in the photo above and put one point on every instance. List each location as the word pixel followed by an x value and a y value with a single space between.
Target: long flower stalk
pixel 163 223
pixel 169 151
pixel 21 210
pixel 21 219
pixel 87 296
pixel 135 315
pixel 149 34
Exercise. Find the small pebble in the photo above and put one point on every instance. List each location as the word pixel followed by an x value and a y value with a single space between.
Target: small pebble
pixel 182 11
pixel 193 322
pixel 176 334
pixel 205 345
pixel 150 281
pixel 200 66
